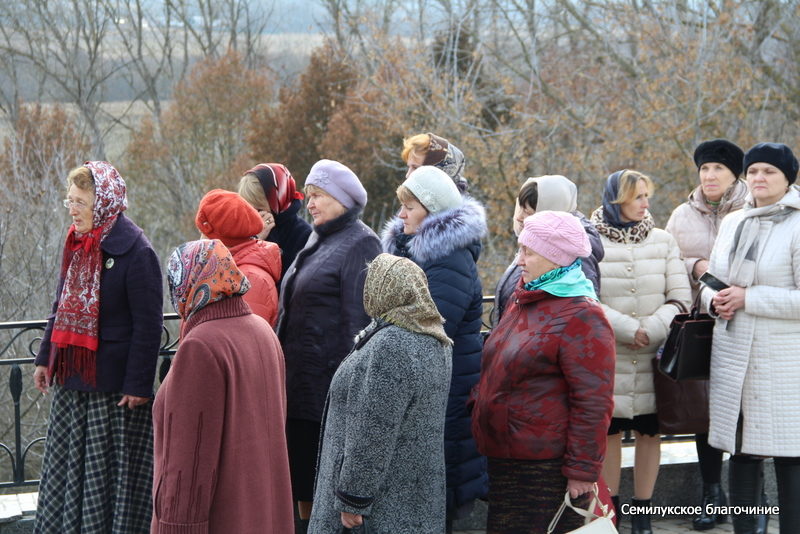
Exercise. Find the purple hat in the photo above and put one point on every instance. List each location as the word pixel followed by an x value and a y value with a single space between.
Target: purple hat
pixel 555 235
pixel 339 182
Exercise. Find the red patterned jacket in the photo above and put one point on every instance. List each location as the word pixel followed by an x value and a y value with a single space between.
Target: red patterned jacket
pixel 547 383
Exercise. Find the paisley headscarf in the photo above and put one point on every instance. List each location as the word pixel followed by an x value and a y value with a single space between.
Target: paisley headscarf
pixel 201 272
pixel 396 291
pixel 75 329
pixel 446 156
pixel 278 185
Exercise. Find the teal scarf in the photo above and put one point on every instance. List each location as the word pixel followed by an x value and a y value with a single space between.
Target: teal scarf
pixel 566 281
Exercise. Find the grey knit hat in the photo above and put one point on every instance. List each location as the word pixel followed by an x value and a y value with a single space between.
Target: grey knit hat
pixel 434 189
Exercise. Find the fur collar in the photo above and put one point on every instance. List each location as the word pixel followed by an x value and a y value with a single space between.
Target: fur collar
pixel 439 234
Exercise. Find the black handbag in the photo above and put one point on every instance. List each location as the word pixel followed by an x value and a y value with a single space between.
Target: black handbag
pixel 686 354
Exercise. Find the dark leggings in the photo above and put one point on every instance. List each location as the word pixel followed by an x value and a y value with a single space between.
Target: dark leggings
pixel 710 460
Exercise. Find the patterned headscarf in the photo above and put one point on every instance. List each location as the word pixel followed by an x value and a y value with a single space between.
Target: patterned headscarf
pixel 201 272
pixel 396 290
pixel 75 329
pixel 447 157
pixel 278 184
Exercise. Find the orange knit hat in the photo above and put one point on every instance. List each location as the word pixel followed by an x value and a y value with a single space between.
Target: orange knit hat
pixel 226 216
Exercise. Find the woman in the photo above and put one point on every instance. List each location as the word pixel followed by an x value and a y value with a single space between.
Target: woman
pixel 441 231
pixel 99 352
pixel 270 189
pixel 321 310
pixel 382 456
pixel 430 149
pixel 545 396
pixel 641 273
pixel 754 367
pixel 547 193
pixel 694 225
pixel 220 443
pixel 224 215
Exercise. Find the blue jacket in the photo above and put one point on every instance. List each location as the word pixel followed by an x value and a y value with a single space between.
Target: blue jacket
pixel 131 316
pixel 447 246
pixel 322 309
pixel 290 234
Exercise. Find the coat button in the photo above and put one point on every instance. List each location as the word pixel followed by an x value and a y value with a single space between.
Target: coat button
pixel 634 362
pixel 633 314
pixel 630 268
pixel 633 290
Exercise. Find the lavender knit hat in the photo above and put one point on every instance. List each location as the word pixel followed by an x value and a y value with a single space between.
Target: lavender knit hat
pixel 339 182
pixel 556 235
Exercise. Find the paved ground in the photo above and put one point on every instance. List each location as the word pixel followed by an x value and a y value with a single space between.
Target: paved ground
pixel 665 526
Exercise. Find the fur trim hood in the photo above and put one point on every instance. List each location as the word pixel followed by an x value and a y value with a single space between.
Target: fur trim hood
pixel 441 233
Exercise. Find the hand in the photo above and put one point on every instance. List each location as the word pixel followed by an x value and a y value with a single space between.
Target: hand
pixel 132 402
pixel 576 488
pixel 727 301
pixel 269 223
pixel 640 339
pixel 352 520
pixel 700 268
pixel 40 379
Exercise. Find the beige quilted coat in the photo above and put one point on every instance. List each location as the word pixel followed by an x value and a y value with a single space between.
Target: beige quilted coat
pixel 636 281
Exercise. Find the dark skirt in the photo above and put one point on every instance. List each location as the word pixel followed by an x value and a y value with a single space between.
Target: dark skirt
pixel 643 424
pixel 524 495
pixel 97 474
pixel 302 440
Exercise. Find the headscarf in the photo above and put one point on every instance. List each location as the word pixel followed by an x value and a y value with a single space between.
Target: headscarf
pixel 75 336
pixel 396 291
pixel 447 157
pixel 608 217
pixel 278 184
pixel 612 212
pixel 201 272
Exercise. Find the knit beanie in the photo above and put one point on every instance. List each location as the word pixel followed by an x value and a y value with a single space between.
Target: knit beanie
pixel 719 151
pixel 339 182
pixel 776 154
pixel 226 216
pixel 434 189
pixel 556 235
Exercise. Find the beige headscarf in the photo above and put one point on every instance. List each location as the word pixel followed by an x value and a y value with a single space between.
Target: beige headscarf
pixel 555 193
pixel 396 290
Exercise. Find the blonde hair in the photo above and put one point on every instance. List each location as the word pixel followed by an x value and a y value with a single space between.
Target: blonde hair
pixel 82 178
pixel 627 186
pixel 419 144
pixel 311 188
pixel 405 195
pixel 250 189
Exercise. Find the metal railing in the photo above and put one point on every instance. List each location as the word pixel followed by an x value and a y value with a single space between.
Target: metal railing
pixel 21 342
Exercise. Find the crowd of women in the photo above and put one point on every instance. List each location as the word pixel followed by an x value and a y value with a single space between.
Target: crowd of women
pixel 329 379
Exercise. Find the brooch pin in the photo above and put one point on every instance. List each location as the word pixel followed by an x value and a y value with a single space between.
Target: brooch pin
pixel 109 263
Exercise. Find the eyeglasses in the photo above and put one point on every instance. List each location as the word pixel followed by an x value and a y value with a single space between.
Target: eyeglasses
pixel 67 203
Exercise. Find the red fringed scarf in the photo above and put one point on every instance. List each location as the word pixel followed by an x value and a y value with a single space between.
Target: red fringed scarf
pixel 75 334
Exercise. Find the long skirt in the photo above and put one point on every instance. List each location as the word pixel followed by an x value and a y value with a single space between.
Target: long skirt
pixel 97 474
pixel 524 495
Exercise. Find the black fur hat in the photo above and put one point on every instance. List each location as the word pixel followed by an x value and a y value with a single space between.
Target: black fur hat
pixel 776 154
pixel 719 151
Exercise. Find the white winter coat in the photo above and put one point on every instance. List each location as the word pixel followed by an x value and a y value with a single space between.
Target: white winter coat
pixel 755 364
pixel 636 281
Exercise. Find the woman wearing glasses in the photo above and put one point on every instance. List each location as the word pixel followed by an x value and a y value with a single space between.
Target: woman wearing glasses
pixel 99 354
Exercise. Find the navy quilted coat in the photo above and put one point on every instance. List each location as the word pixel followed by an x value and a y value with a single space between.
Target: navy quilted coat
pixel 447 246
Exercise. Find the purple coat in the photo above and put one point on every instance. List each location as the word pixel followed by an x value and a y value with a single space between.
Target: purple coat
pixel 131 317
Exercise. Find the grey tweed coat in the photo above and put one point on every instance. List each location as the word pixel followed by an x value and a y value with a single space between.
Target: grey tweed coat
pixel 382 453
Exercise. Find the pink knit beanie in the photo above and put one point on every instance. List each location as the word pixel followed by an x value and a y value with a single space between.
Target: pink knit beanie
pixel 555 235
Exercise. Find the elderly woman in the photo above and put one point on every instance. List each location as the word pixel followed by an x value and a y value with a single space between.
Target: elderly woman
pixel 430 149
pixel 441 231
pixel 226 216
pixel 321 310
pixel 694 225
pixel 382 456
pixel 220 443
pixel 544 398
pixel 99 351
pixel 546 193
pixel 755 372
pixel 270 189
pixel 641 272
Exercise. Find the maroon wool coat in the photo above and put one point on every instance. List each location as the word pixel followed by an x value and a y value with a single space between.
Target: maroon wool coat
pixel 547 383
pixel 219 417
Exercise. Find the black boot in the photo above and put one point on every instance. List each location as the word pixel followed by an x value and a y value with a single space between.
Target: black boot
pixel 787 474
pixel 746 486
pixel 713 496
pixel 640 523
pixel 617 511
